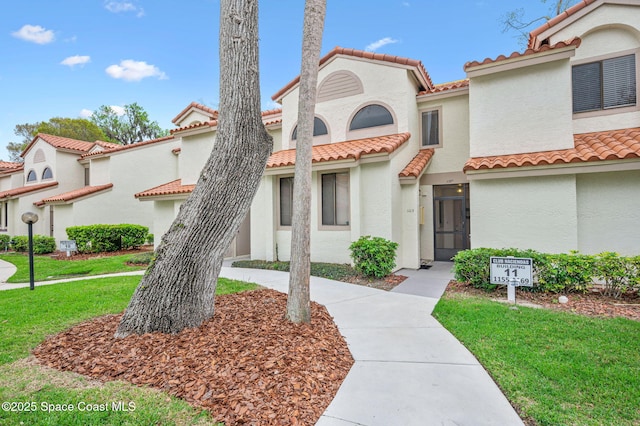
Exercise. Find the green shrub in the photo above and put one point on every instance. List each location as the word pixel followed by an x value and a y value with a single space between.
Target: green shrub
pixel 41 244
pixel 5 241
pixel 373 256
pixel 619 273
pixel 142 258
pixel 560 273
pixel 105 238
pixel 149 239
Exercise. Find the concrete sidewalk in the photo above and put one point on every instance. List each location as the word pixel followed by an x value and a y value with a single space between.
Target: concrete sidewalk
pixel 408 369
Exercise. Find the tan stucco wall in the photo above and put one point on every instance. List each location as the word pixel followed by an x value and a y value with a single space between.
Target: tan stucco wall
pixel 609 212
pixel 522 110
pixel 194 153
pixel 537 213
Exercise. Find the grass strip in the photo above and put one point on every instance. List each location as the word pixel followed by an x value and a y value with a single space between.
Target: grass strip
pixel 555 367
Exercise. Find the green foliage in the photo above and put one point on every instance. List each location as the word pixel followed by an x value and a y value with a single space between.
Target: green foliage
pixel 332 271
pixel 41 244
pixel 557 273
pixel 150 239
pixel 128 128
pixel 5 241
pixel 141 258
pixel 374 256
pixel 105 238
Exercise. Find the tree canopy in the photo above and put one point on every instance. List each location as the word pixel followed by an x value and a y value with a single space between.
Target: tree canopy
pixel 518 21
pixel 74 128
pixel 130 127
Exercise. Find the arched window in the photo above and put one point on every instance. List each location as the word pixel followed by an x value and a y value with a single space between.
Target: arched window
pixel 319 129
pixel 47 173
pixel 371 116
pixel 31 177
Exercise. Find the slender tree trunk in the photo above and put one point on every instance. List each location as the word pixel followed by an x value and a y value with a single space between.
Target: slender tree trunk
pixel 178 289
pixel 298 301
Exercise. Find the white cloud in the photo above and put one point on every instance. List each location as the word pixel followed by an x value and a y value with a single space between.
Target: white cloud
pixel 117 109
pixel 378 44
pixel 85 113
pixel 35 34
pixel 130 70
pixel 123 6
pixel 72 61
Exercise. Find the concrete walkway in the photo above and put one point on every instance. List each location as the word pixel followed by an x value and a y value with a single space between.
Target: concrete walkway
pixel 408 369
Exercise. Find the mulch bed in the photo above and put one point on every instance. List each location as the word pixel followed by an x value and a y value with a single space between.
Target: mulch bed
pixel 247 365
pixel 62 255
pixel 387 283
pixel 593 303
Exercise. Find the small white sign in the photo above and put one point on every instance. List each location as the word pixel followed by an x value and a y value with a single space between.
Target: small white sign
pixel 505 270
pixel 68 245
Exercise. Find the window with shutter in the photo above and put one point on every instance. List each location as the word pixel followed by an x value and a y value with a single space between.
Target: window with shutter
pixel 610 83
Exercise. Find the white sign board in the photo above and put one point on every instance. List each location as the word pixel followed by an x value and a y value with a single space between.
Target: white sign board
pixel 67 246
pixel 505 270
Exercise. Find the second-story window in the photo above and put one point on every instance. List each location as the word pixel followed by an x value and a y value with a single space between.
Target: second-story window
pixel 31 176
pixel 47 173
pixel 371 116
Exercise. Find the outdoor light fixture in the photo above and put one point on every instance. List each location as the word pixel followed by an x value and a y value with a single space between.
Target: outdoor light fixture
pixel 30 218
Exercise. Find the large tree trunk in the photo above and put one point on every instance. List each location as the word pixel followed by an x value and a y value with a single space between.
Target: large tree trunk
pixel 178 289
pixel 298 301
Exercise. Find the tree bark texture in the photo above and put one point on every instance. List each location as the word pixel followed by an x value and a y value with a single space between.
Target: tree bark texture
pixel 178 289
pixel 298 301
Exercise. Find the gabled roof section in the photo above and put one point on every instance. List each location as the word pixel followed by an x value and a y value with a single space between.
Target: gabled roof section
pixel 212 113
pixel 9 167
pixel 589 147
pixel 59 142
pixel 119 148
pixel 71 196
pixel 172 188
pixel 573 43
pixel 26 189
pixel 353 150
pixel 212 123
pixel 417 165
pixel 534 39
pixel 423 78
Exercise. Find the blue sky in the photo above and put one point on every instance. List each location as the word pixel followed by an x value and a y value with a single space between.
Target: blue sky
pixel 65 58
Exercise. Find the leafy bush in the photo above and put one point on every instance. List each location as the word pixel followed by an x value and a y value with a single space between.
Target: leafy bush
pixel 5 241
pixel 557 273
pixel 41 244
pixel 374 256
pixel 149 239
pixel 141 258
pixel 333 271
pixel 105 238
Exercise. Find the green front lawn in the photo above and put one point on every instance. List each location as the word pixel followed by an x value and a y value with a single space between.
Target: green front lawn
pixel 556 368
pixel 46 268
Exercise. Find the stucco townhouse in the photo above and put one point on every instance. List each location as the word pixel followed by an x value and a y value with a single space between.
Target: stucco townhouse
pixel 539 149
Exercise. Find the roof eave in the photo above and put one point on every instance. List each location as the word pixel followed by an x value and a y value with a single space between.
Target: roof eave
pixel 522 61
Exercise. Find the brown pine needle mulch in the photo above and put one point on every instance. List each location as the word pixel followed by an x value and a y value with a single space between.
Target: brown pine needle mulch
pixel 247 365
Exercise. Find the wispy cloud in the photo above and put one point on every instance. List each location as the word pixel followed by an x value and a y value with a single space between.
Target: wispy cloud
pixel 34 34
pixel 72 61
pixel 123 6
pixel 85 113
pixel 372 47
pixel 130 70
pixel 117 109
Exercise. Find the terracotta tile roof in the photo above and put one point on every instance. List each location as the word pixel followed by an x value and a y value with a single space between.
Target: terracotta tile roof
pixel 26 189
pixel 272 112
pixel 72 195
pixel 213 123
pixel 561 44
pixel 118 148
pixel 213 114
pixel 10 166
pixel 423 76
pixel 534 42
pixel 61 143
pixel 177 150
pixel 417 165
pixel 273 122
pixel 443 87
pixel 108 145
pixel 597 146
pixel 342 150
pixel 172 188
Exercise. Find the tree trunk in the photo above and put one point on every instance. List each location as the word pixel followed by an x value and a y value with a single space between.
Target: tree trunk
pixel 298 301
pixel 178 289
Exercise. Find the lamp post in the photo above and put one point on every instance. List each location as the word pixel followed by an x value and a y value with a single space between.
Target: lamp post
pixel 30 218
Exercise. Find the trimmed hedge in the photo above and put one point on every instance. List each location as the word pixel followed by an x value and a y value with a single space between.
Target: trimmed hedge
pixel 557 273
pixel 373 256
pixel 5 241
pixel 41 244
pixel 105 238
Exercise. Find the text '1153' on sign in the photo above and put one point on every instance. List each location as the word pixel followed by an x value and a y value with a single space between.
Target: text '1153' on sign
pixel 511 270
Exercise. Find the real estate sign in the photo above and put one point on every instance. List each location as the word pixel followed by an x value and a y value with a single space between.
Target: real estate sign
pixel 510 270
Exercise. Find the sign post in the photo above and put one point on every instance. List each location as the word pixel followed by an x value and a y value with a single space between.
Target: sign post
pixel 512 271
pixel 68 246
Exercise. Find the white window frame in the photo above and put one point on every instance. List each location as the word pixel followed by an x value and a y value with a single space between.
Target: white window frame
pixel 321 225
pixel 423 111
pixel 279 204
